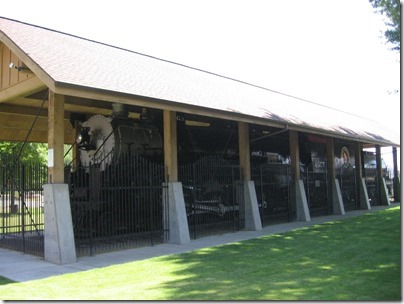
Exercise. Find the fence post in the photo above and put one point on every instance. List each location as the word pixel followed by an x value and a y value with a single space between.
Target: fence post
pixel 22 203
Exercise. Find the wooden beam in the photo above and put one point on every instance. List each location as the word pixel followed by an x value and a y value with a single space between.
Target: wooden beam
pixel 23 88
pixel 330 158
pixel 170 146
pixel 294 154
pixel 244 150
pixel 15 127
pixel 56 139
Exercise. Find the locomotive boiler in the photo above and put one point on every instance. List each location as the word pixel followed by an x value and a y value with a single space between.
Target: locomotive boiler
pixel 103 140
pixel 116 187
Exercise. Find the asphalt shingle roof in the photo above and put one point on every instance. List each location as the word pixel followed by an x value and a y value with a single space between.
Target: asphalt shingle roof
pixel 84 63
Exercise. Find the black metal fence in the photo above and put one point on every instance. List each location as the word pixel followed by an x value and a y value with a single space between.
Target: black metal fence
pixel 272 186
pixel 118 205
pixel 349 188
pixel 21 213
pixel 316 185
pixel 213 195
pixel 372 186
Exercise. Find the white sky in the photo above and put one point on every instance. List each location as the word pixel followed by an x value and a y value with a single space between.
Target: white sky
pixel 330 52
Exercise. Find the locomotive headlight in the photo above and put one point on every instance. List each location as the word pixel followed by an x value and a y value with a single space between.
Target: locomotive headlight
pixel 83 140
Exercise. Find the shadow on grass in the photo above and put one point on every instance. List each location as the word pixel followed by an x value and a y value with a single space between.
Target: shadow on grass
pixel 5 281
pixel 354 259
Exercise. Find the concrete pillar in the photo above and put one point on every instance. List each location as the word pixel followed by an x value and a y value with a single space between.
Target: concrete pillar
pixel 362 194
pixel 177 216
pixel 396 178
pixel 335 194
pixel 252 214
pixel 381 182
pixel 298 195
pixel 384 193
pixel 177 219
pixel 337 203
pixel 59 236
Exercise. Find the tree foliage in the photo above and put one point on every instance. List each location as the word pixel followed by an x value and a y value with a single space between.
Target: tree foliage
pixel 30 152
pixel 390 9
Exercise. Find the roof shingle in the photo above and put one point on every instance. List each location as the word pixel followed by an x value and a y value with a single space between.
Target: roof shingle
pixel 82 62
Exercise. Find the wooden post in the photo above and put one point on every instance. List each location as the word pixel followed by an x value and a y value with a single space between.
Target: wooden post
pixel 383 195
pixel 298 194
pixel 56 138
pixel 58 233
pixel 335 194
pixel 244 150
pixel 170 146
pixel 294 155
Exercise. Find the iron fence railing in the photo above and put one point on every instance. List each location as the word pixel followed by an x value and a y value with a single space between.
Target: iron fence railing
pixel 21 210
pixel 119 205
pixel 272 185
pixel 213 194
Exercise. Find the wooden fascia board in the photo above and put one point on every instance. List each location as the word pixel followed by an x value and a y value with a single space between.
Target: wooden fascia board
pixel 29 63
pixel 336 135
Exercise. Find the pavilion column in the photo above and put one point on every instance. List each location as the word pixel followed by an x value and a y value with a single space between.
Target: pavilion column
pixel 58 234
pixel 251 211
pixel 55 138
pixel 335 193
pixel 383 194
pixel 362 192
pixel 298 194
pixel 177 220
pixel 396 178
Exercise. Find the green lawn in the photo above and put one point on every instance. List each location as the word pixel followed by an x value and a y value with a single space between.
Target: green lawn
pixel 352 259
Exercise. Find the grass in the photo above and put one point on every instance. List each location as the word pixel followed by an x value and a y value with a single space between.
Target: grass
pixel 352 259
pixel 12 222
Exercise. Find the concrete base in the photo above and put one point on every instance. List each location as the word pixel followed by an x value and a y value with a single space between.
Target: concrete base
pixel 337 203
pixel 385 200
pixel 363 195
pixel 177 219
pixel 59 236
pixel 252 214
pixel 302 208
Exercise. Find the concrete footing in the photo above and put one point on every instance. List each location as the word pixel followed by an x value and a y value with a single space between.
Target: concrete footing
pixel 302 208
pixel 337 203
pixel 385 200
pixel 363 195
pixel 177 219
pixel 252 214
pixel 59 236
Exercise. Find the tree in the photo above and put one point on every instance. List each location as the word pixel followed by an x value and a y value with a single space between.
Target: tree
pixel 391 9
pixel 31 152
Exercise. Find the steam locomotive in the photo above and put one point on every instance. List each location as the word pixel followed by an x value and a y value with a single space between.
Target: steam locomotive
pixel 113 188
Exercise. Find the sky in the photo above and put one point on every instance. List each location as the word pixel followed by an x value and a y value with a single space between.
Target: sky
pixel 330 52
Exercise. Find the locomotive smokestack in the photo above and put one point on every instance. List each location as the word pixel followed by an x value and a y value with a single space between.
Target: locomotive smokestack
pixel 119 110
